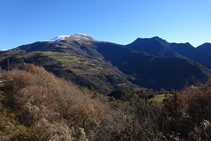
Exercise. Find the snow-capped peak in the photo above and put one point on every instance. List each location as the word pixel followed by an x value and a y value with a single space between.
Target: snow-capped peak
pixel 78 36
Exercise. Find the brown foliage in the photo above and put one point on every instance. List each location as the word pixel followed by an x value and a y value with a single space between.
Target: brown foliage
pixel 32 68
pixel 47 80
pixel 16 80
pixel 199 102
pixel 85 115
pixel 173 116
pixel 39 96
pixel 34 102
pixel 172 104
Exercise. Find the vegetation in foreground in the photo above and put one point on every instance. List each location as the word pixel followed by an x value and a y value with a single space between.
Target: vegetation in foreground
pixel 36 105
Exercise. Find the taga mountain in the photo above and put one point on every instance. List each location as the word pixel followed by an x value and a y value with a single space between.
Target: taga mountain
pixel 152 63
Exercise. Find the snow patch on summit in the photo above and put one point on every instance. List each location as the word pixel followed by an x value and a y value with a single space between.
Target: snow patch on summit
pixel 59 38
pixel 3 49
pixel 81 36
pixel 78 36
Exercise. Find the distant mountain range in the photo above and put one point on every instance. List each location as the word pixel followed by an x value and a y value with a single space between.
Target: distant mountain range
pixel 149 62
pixel 161 48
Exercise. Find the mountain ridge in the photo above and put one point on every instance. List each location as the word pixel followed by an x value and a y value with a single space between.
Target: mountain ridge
pixel 108 66
pixel 187 50
pixel 154 46
pixel 205 47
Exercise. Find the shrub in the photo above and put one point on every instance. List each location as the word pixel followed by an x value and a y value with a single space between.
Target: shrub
pixel 34 102
pixel 111 98
pixel 85 115
pixel 32 68
pixel 16 80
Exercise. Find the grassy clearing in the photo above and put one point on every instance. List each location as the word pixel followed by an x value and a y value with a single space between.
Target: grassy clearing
pixel 71 57
pixel 99 68
pixel 61 57
pixel 65 60
pixel 158 98
pixel 77 70
pixel 89 71
pixel 48 53
pixel 93 69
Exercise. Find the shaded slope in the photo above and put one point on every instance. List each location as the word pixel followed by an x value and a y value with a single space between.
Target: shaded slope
pixel 205 47
pixel 192 53
pixel 161 48
pixel 154 46
pixel 154 72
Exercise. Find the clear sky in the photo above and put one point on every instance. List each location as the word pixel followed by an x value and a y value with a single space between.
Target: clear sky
pixel 119 21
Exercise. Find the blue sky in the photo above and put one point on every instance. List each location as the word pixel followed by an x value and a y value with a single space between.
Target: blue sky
pixel 119 21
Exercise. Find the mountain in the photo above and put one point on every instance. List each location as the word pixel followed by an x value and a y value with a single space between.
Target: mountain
pixel 74 58
pixel 192 53
pixel 154 72
pixel 161 48
pixel 150 63
pixel 205 47
pixel 154 46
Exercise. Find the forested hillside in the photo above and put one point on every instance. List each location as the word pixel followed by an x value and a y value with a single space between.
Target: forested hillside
pixel 36 105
